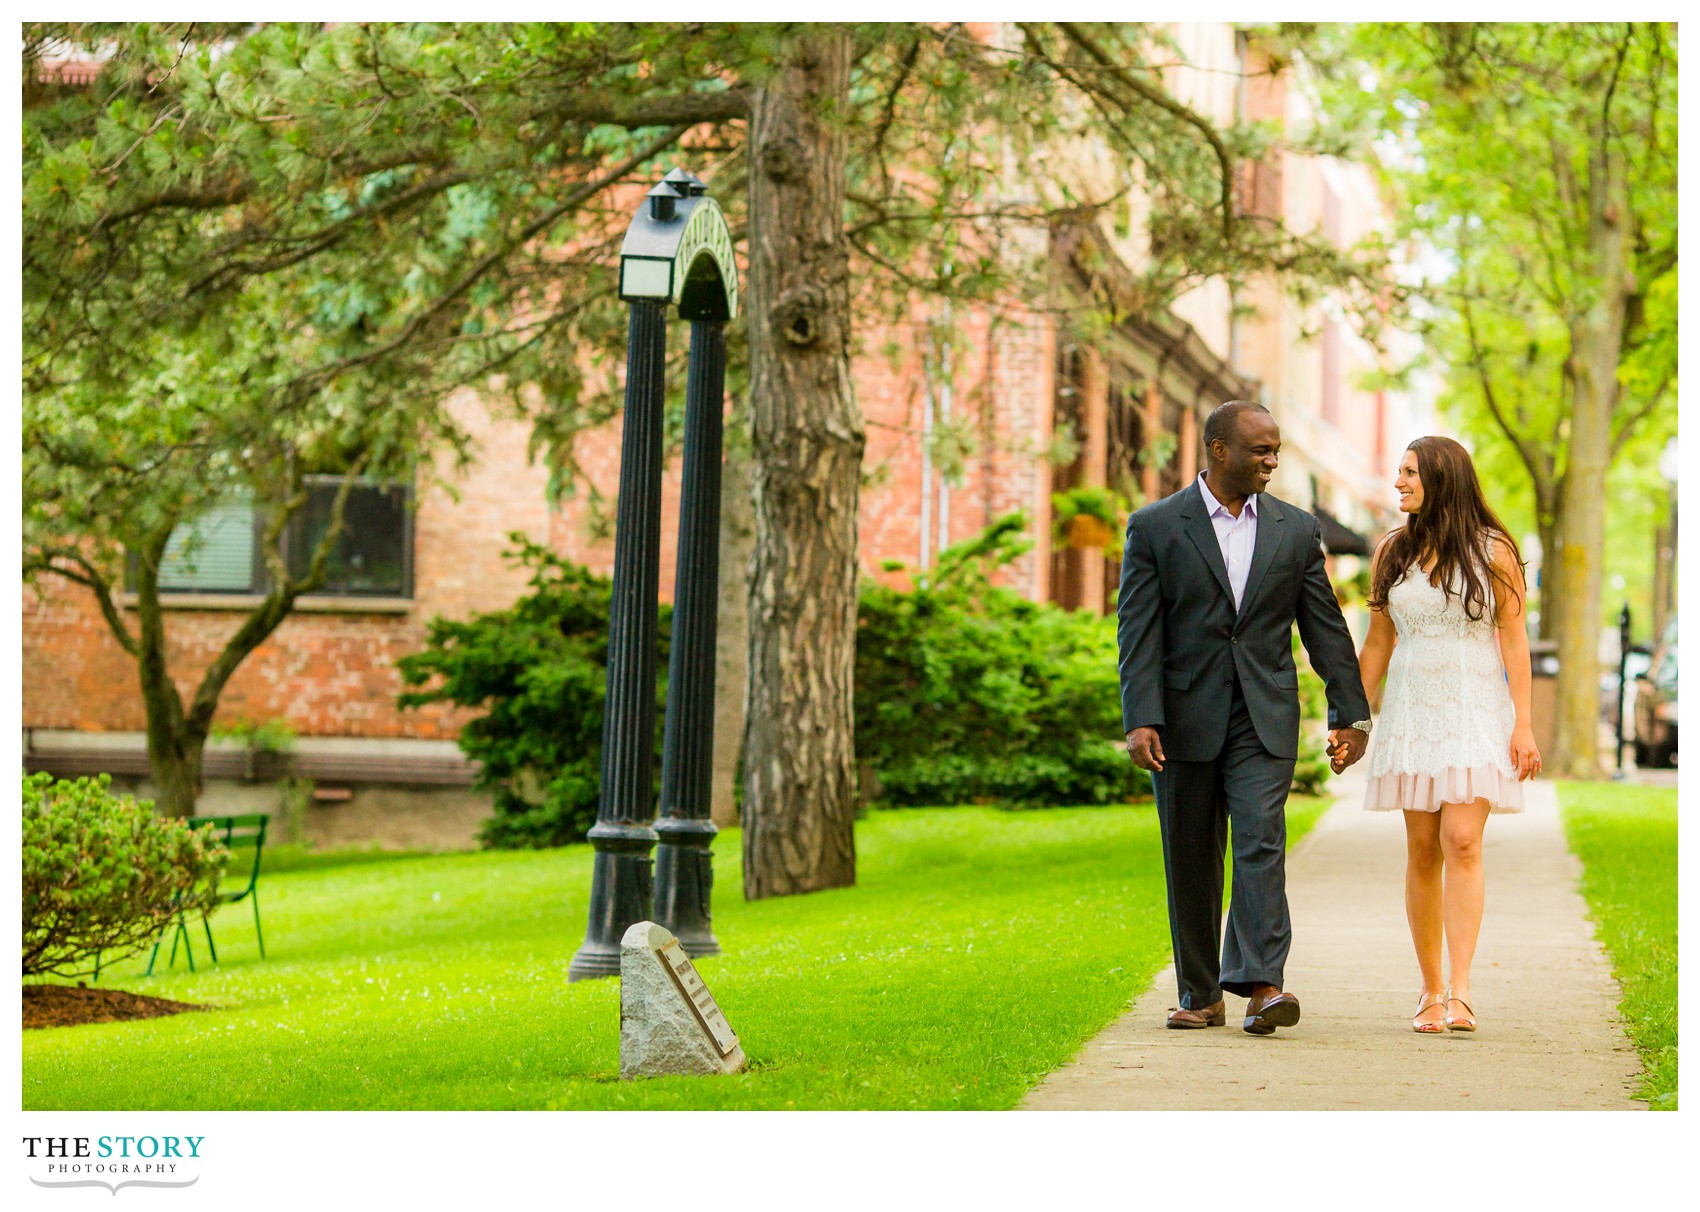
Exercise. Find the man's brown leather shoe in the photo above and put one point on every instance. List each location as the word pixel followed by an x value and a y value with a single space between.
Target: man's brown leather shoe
pixel 1269 1010
pixel 1214 1015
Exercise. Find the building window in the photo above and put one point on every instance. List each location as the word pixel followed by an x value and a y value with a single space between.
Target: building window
pixel 372 557
pixel 217 553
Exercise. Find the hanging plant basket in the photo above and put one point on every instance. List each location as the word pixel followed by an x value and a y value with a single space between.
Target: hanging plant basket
pixel 1085 531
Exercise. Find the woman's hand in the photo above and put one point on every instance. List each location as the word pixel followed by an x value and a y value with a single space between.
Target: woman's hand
pixel 1524 756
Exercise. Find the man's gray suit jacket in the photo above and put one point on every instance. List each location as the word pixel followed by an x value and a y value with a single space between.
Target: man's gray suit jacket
pixel 1181 640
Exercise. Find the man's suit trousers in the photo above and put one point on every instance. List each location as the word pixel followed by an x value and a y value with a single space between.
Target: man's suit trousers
pixel 1245 786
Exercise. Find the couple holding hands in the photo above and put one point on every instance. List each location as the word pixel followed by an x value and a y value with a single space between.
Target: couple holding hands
pixel 1213 579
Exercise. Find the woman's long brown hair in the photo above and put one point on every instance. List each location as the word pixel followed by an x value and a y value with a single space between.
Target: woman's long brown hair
pixel 1452 528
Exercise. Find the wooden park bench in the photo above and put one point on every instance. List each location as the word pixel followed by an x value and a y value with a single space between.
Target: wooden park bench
pixel 245 837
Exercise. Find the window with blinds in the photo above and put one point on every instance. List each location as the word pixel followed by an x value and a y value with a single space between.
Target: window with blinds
pixel 213 554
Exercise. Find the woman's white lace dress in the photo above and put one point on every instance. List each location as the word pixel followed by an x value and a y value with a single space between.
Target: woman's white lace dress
pixel 1444 734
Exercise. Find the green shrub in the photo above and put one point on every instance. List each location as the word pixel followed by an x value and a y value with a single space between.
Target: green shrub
pixel 538 673
pixel 102 875
pixel 970 693
pixel 967 692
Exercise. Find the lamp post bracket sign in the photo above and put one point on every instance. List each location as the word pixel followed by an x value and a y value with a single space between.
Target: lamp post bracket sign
pixel 679 249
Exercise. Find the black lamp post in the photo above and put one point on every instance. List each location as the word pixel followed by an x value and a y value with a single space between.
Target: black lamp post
pixel 1623 630
pixel 677 251
pixel 684 871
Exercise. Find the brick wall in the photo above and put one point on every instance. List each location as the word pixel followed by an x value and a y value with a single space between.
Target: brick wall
pixel 333 674
pixel 1002 386
pixel 327 674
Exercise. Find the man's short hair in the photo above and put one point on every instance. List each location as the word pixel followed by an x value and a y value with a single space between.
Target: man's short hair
pixel 1223 421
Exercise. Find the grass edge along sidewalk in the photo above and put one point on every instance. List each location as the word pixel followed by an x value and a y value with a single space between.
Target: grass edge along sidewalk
pixel 1625 837
pixel 979 951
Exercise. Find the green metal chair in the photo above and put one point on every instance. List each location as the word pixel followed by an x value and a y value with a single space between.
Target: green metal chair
pixel 241 835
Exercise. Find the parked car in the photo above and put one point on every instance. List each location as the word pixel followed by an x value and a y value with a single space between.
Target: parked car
pixel 1655 705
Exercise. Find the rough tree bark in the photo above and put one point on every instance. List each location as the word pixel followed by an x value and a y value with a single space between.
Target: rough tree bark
pixel 806 450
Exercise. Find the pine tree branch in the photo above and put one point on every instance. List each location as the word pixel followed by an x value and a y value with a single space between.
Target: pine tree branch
pixel 324 375
pixel 237 188
pixel 182 49
pixel 888 109
pixel 1160 99
pixel 330 236
pixel 681 109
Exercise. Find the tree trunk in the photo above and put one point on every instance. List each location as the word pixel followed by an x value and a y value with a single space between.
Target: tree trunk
pixel 732 652
pixel 1551 603
pixel 806 441
pixel 174 749
pixel 1596 349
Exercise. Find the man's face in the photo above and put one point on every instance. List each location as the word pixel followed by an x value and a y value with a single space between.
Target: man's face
pixel 1250 455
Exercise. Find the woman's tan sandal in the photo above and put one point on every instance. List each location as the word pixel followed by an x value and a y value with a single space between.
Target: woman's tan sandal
pixel 1428 1001
pixel 1459 1022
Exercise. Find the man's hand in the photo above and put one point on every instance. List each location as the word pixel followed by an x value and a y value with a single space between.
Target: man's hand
pixel 1345 746
pixel 1145 747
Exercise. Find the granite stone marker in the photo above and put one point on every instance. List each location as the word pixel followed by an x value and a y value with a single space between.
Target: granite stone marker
pixel 669 1021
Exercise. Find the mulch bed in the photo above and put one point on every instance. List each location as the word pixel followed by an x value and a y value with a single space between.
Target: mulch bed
pixel 73 1005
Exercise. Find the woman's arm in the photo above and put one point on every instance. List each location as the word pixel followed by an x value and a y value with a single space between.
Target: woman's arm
pixel 1378 644
pixel 1514 649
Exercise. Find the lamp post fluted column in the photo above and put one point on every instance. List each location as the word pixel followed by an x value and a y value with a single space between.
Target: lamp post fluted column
pixel 621 891
pixel 684 872
pixel 677 253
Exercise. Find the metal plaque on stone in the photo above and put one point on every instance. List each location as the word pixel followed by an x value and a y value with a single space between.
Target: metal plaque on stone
pixel 702 1003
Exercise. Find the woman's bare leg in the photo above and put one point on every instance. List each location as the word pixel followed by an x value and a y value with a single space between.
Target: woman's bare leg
pixel 1423 900
pixel 1461 827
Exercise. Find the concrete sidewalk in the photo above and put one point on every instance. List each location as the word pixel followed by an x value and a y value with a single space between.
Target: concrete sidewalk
pixel 1544 995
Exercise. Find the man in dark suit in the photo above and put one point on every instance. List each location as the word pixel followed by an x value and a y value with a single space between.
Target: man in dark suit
pixel 1213 579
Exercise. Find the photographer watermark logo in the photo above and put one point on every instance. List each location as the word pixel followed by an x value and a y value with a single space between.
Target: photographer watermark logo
pixel 113 1162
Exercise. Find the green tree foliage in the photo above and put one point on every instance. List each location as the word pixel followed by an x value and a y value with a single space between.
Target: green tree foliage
pixel 538 672
pixel 1539 162
pixel 102 875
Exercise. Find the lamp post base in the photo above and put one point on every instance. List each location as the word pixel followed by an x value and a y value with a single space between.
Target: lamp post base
pixel 621 895
pixel 684 880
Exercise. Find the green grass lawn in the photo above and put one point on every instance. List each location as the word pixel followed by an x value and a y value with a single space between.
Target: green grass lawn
pixel 1626 839
pixel 978 951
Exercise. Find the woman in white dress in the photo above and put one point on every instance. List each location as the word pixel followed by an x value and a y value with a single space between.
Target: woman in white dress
pixel 1454 741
